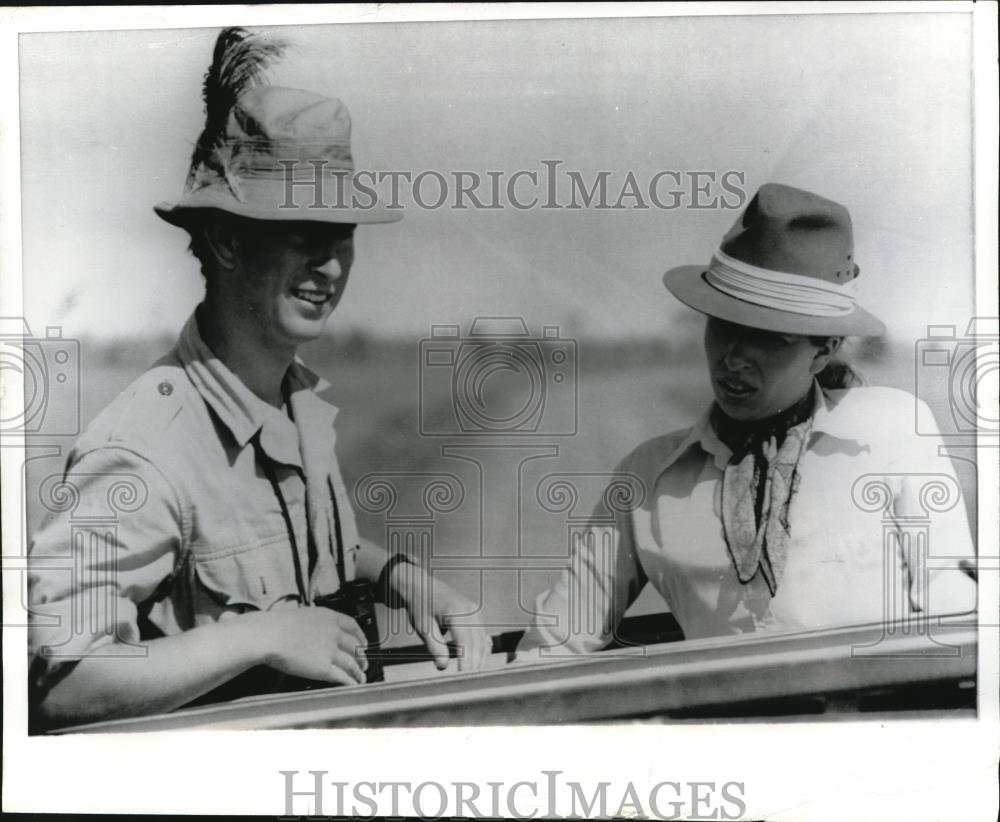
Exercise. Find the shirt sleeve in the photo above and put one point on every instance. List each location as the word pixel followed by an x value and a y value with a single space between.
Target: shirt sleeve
pixel 933 534
pixel 111 535
pixel 582 611
pixel 369 560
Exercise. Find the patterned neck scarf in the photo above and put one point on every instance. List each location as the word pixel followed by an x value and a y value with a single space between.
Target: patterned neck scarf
pixel 758 485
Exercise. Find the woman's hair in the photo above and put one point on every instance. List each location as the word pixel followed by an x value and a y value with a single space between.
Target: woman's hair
pixel 838 373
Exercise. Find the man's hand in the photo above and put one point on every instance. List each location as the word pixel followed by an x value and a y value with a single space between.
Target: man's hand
pixel 314 643
pixel 433 610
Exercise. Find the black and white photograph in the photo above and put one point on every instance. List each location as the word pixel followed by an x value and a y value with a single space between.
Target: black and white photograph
pixel 504 411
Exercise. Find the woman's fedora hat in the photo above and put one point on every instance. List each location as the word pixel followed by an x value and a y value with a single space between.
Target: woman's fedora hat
pixel 787 265
pixel 268 152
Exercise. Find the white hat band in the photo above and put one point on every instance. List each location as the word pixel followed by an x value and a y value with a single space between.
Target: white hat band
pixel 780 290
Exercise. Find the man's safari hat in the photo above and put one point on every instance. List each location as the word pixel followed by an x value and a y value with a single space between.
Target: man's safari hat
pixel 787 265
pixel 269 152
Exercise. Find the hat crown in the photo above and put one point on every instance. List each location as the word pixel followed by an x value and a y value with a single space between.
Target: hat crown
pixel 272 126
pixel 289 115
pixel 795 232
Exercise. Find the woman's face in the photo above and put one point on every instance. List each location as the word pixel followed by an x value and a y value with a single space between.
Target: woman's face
pixel 756 374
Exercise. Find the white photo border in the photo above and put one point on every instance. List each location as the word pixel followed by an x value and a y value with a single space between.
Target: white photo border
pixel 857 770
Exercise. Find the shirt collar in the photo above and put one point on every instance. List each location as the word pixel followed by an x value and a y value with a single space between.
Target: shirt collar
pixel 243 412
pixel 834 420
pixel 828 419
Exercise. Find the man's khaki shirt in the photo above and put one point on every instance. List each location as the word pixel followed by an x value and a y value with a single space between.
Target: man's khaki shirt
pixel 184 503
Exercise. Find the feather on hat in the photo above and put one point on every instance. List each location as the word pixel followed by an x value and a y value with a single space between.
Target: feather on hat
pixel 268 152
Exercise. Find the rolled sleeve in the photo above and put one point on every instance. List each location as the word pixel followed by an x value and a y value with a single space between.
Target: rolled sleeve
pixel 581 612
pixel 110 537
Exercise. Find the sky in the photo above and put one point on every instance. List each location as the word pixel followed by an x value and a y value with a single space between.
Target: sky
pixel 873 111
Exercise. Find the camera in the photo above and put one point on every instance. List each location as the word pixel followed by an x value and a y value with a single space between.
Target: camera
pixel 963 372
pixel 497 380
pixel 49 370
pixel 356 599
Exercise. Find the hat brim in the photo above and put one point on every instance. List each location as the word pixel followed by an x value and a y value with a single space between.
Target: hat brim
pixel 271 208
pixel 687 283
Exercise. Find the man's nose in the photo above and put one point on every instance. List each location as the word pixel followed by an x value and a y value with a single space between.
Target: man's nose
pixel 331 268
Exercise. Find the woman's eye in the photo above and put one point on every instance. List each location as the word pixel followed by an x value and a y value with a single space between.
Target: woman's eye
pixel 296 239
pixel 303 234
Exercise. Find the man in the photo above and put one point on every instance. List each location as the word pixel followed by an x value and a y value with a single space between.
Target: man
pixel 237 521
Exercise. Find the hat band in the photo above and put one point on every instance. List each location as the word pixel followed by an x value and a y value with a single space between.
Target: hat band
pixel 299 161
pixel 780 290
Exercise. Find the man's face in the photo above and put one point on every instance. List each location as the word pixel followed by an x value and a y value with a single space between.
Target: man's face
pixel 290 276
pixel 756 374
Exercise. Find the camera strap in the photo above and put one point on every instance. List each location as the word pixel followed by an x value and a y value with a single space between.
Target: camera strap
pixel 338 550
pixel 337 537
pixel 265 462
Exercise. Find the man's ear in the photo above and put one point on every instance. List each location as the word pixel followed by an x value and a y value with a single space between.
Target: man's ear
pixel 825 352
pixel 223 241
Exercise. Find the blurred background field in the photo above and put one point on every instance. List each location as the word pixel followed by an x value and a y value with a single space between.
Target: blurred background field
pixel 498 543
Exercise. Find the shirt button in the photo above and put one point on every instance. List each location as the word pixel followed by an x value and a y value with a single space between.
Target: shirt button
pixel 165 388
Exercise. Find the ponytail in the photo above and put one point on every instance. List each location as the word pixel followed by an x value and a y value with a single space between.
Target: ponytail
pixel 838 373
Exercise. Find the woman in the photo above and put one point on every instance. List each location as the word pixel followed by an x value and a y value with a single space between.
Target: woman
pixel 760 516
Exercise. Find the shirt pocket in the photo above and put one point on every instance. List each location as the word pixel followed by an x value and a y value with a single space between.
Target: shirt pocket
pixel 249 577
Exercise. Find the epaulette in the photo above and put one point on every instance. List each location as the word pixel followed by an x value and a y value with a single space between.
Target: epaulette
pixel 144 410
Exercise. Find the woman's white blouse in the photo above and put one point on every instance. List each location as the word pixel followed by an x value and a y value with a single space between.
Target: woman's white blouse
pixel 878 532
